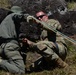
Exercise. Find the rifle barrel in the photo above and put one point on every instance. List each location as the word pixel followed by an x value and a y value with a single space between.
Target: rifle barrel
pixel 54 30
pixel 64 36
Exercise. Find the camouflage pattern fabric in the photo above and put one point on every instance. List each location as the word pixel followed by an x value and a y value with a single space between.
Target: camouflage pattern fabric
pixel 32 61
pixel 56 38
pixel 47 47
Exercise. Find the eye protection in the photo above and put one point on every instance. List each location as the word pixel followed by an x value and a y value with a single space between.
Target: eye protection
pixel 41 16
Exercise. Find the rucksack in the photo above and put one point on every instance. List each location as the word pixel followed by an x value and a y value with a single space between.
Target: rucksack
pixel 4 13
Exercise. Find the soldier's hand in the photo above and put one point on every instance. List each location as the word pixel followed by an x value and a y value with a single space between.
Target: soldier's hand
pixel 29 18
pixel 32 18
pixel 25 40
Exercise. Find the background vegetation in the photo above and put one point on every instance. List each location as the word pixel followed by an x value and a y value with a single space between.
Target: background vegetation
pixel 72 5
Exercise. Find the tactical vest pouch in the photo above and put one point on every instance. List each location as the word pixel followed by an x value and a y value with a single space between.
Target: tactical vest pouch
pixel 33 60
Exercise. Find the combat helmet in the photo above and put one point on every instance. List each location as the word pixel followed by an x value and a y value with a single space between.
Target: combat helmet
pixel 16 9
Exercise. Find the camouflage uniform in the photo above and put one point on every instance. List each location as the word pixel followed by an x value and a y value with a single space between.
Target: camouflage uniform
pixel 51 46
pixel 54 42
pixel 12 60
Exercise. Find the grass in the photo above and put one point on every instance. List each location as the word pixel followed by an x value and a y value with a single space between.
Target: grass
pixel 70 70
pixel 4 4
pixel 71 56
pixel 71 6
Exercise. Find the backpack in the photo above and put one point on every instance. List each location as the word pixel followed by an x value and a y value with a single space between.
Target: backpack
pixel 4 13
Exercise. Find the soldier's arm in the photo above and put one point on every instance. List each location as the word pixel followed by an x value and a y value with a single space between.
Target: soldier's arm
pixel 30 43
pixel 56 25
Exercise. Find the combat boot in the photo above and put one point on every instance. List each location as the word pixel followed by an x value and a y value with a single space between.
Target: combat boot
pixel 61 63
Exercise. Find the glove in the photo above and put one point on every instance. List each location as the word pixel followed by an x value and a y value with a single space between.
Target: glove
pixel 29 18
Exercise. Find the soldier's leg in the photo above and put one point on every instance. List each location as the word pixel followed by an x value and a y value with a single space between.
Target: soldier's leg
pixel 62 50
pixel 14 59
pixel 49 50
pixel 12 66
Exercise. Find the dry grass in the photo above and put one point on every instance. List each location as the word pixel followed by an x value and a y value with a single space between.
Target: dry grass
pixel 4 4
pixel 71 57
pixel 72 6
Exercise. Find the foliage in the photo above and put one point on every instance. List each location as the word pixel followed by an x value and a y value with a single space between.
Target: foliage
pixel 4 4
pixel 72 5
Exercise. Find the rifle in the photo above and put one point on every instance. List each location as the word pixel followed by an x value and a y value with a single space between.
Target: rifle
pixel 47 27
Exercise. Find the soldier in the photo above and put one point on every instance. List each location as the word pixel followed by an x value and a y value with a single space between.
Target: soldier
pixel 11 59
pixel 57 48
pixel 51 45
